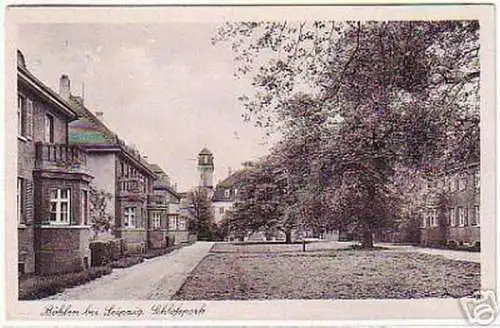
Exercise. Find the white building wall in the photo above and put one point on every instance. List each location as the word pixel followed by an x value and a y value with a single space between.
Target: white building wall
pixel 217 210
pixel 102 167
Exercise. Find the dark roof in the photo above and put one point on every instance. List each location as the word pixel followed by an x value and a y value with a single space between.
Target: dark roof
pixel 205 151
pixel 227 183
pixel 156 168
pixel 93 135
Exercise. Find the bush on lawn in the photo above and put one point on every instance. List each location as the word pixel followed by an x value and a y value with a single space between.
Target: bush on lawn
pixel 36 287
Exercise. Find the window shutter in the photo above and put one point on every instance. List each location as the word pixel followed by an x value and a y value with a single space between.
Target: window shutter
pixel 27 202
pixel 29 118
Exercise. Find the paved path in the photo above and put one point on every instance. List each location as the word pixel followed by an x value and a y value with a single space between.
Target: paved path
pixel 155 279
pixel 448 253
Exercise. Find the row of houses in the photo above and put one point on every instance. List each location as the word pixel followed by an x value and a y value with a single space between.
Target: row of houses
pixel 65 154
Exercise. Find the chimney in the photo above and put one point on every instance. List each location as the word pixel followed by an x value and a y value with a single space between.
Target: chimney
pixel 229 171
pixel 64 87
pixel 100 116
pixel 21 61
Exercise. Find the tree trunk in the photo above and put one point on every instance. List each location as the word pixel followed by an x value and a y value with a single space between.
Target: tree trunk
pixel 288 236
pixel 367 238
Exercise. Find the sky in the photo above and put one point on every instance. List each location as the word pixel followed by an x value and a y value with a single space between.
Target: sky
pixel 162 87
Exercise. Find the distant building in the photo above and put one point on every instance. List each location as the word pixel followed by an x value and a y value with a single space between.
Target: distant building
pixel 158 207
pixel 206 168
pixel 460 202
pixel 52 182
pixel 225 194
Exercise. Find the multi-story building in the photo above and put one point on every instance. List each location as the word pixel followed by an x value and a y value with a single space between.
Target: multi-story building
pixel 225 194
pixel 52 182
pixel 167 225
pixel 177 219
pixel 119 170
pixel 452 207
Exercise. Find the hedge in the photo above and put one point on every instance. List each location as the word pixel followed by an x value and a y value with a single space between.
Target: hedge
pixel 36 287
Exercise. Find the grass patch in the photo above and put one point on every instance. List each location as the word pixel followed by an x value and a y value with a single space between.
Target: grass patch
pixel 330 275
pixel 35 287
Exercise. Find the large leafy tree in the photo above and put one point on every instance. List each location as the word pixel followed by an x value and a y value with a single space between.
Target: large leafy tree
pixel 259 196
pixel 355 100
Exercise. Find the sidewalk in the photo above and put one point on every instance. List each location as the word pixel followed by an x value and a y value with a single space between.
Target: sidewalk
pixel 156 279
pixel 448 253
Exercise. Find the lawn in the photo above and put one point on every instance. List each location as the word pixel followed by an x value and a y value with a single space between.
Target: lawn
pixel 266 272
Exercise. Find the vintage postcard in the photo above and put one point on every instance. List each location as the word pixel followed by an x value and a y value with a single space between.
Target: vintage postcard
pixel 286 164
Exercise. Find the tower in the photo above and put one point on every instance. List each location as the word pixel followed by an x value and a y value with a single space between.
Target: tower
pixel 206 168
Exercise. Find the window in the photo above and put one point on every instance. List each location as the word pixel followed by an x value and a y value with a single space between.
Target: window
pixel 20 200
pixel 434 218
pixel 462 183
pixel 423 223
pixel 24 117
pixel 49 128
pixel 461 217
pixel 475 216
pixel 456 182
pixel 60 206
pixel 235 192
pixel 156 221
pixel 21 115
pixel 85 207
pixel 172 223
pixel 227 193
pixel 129 217
pixel 221 210
pixel 182 224
pixel 451 217
pixel 477 180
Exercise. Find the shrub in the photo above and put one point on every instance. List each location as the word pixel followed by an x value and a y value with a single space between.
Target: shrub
pixel 452 244
pixel 36 287
pixel 442 243
pixel 102 252
pixel 150 253
pixel 127 261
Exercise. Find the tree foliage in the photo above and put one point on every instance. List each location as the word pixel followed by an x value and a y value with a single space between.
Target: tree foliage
pixel 100 219
pixel 200 209
pixel 356 100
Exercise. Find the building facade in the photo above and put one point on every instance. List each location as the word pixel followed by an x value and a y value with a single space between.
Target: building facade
pixel 167 226
pixel 52 182
pixel 452 208
pixel 119 170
